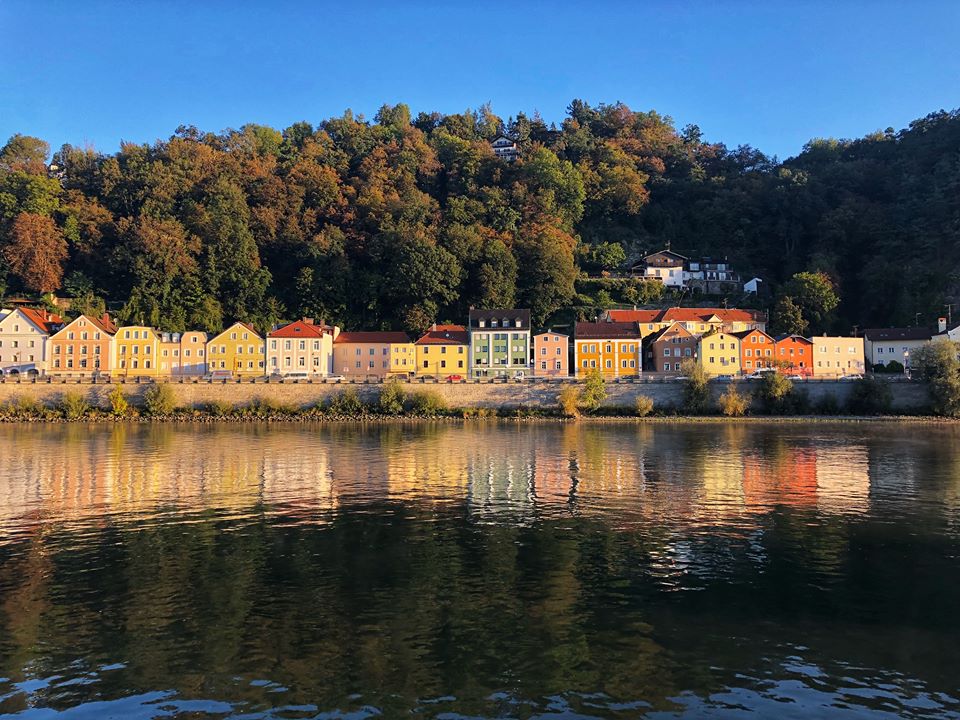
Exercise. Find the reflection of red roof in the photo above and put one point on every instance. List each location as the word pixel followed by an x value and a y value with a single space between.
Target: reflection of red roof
pixel 677 314
pixel 372 337
pixel 445 335
pixel 300 328
pixel 44 320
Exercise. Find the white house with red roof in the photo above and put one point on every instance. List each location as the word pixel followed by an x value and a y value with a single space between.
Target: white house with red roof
pixel 301 347
pixel 24 339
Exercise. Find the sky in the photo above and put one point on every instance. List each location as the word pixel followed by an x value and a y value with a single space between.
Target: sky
pixel 769 74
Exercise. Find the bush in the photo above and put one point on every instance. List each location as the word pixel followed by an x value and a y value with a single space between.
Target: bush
pixel 594 391
pixel 159 400
pixel 391 399
pixel 220 408
pixel 479 413
pixel 119 405
pixel 937 363
pixel 428 402
pixel 347 402
pixel 870 396
pixel 894 367
pixel 569 401
pixel 827 405
pixel 734 403
pixel 775 393
pixel 26 407
pixel 696 392
pixel 266 407
pixel 643 405
pixel 74 406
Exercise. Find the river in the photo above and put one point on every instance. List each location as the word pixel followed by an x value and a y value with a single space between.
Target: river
pixel 482 570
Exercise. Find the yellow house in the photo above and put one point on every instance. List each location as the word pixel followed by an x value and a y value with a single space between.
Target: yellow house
pixel 136 351
pixel 719 354
pixel 442 351
pixel 238 350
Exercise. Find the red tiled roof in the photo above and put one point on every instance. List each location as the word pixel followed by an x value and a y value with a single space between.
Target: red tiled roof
pixel 104 323
pixel 299 328
pixel 42 319
pixel 445 335
pixel 372 337
pixel 678 314
pixel 606 330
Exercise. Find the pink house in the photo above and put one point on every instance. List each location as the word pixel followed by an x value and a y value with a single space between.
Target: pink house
pixel 550 352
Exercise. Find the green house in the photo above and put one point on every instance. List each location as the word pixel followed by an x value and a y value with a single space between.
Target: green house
pixel 499 343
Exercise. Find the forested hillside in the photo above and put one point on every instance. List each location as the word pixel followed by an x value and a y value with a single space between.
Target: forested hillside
pixel 402 221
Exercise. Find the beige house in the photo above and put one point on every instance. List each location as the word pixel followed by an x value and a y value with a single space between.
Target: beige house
pixel 183 354
pixel 373 355
pixel 301 347
pixel 835 356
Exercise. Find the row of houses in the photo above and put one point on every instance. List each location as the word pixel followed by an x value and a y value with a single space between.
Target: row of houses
pixel 493 343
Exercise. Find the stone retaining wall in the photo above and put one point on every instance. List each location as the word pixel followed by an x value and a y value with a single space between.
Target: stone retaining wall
pixel 908 397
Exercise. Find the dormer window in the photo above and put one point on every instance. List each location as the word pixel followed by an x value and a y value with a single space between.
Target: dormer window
pixel 481 323
pixel 494 323
pixel 518 322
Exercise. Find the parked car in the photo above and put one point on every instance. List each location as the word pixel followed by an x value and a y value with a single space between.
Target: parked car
pixel 795 377
pixel 218 375
pixel 295 376
pixel 679 378
pixel 760 374
pixel 850 377
pixel 455 378
pixel 334 378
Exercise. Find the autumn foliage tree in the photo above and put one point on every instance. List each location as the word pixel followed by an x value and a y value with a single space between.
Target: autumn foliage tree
pixel 36 252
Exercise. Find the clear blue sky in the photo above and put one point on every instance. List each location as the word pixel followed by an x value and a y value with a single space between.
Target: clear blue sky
pixel 771 74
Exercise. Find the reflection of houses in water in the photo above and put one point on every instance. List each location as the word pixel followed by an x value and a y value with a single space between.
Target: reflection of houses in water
pixel 843 479
pixel 788 477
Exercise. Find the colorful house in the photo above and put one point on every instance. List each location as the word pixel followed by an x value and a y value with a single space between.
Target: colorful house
pixel 83 347
pixel 443 351
pixel 499 343
pixel 136 352
pixel 24 338
pixel 837 356
pixel 375 355
pixel 719 354
pixel 614 348
pixel 666 349
pixel 550 355
pixel 238 350
pixel 183 354
pixel 301 347
pixel 794 354
pixel 697 320
pixel 757 350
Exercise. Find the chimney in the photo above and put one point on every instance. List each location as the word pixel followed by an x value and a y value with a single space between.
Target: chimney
pixel 941 325
pixel 434 327
pixel 307 321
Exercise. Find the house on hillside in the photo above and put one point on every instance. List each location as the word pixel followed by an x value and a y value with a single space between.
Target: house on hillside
pixel 24 338
pixel 505 148
pixel 706 275
pixel 499 343
pixel 664 266
pixel 885 345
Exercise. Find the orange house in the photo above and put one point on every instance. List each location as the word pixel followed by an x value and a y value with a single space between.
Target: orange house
pixel 757 350
pixel 550 352
pixel 82 347
pixel 795 354
pixel 613 348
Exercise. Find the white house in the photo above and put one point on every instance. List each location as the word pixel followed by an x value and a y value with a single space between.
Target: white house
pixel 752 286
pixel 505 148
pixel 883 345
pixel 24 333
pixel 666 266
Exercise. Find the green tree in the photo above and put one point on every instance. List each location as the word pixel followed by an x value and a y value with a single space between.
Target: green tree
pixel 937 363
pixel 814 295
pixel 594 391
pixel 696 391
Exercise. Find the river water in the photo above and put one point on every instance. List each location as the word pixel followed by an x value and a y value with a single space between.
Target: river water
pixel 480 571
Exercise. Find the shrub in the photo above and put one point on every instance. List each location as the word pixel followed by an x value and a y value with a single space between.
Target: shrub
pixel 569 401
pixel 696 392
pixel 775 393
pixel 119 405
pixel 159 400
pixel 643 405
pixel 26 407
pixel 734 403
pixel 827 405
pixel 478 412
pixel 220 408
pixel 869 396
pixel 391 399
pixel 894 367
pixel 347 402
pixel 937 363
pixel 594 391
pixel 428 402
pixel 265 407
pixel 74 406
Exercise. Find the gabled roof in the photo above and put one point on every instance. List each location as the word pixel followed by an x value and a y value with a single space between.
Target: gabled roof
pixel 606 330
pixel 299 328
pixel 744 333
pixel 551 332
pixel 104 324
pixel 244 325
pixel 670 329
pixel 671 253
pixel 44 321
pixel 445 335
pixel 388 336
pixel 679 314
pixel 884 334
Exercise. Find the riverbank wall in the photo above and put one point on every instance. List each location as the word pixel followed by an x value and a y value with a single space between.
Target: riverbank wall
pixel 907 397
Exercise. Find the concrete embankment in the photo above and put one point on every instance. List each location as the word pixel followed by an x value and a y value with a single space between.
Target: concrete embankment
pixel 908 397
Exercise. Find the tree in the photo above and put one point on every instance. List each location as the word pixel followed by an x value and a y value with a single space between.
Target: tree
pixel 25 154
pixel 937 363
pixel 36 252
pixel 775 393
pixel 594 391
pixel 813 294
pixel 696 391
pixel 787 318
